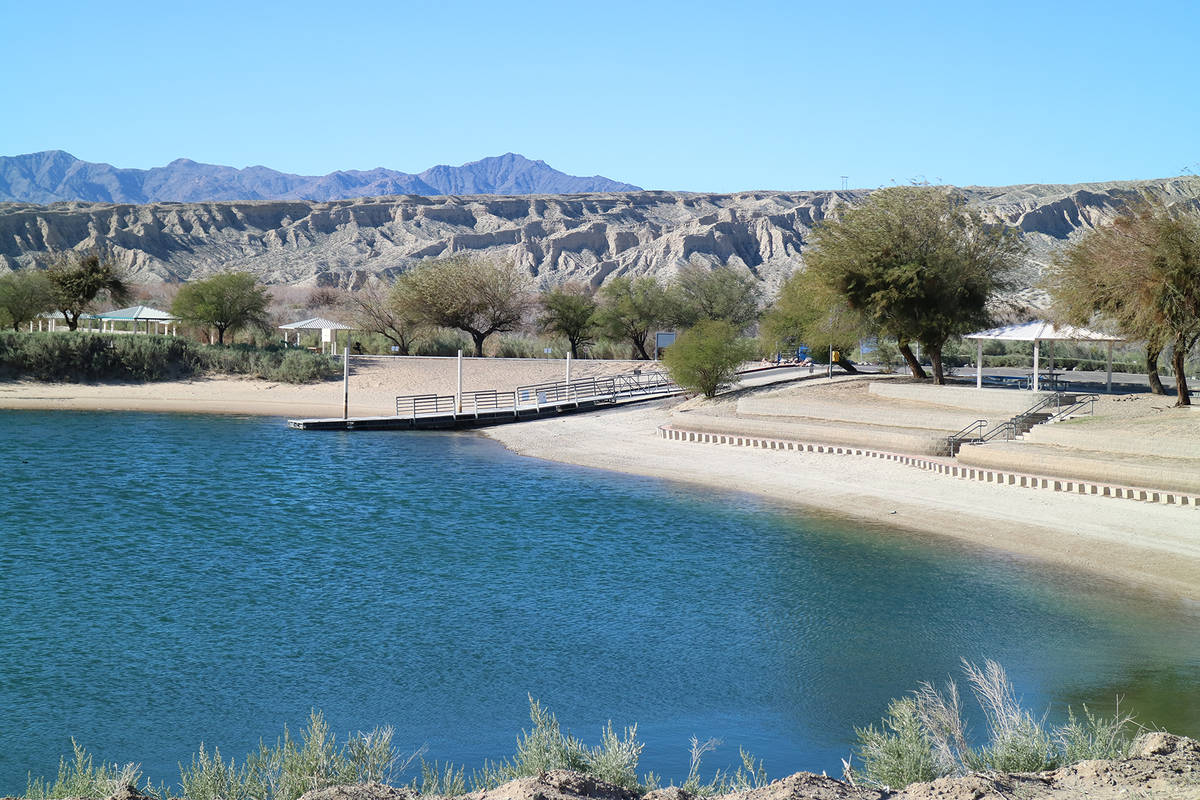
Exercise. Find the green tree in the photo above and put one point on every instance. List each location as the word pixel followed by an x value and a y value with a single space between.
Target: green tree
pixel 631 309
pixel 1142 273
pixel 918 263
pixel 808 311
pixel 571 312
pixel 24 295
pixel 706 356
pixel 477 296
pixel 77 279
pixel 228 301
pixel 722 293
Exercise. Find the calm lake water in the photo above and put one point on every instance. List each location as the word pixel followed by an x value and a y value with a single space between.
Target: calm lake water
pixel 169 579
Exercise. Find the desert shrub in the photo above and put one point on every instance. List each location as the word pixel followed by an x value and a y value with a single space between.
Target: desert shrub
pixel 270 363
pixel 1016 741
pixel 301 366
pixel 443 343
pixel 545 747
pixel 705 358
pixel 924 736
pixel 1094 737
pixel 291 767
pixel 210 778
pixel 519 346
pixel 900 752
pixel 152 358
pixel 234 360
pixel 615 760
pixel 79 777
pixel 447 781
pixel 85 356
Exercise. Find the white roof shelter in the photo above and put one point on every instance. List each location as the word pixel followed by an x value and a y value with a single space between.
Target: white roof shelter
pixel 1037 332
pixel 325 326
pixel 136 314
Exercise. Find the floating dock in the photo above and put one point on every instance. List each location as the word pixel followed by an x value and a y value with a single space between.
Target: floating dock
pixel 490 407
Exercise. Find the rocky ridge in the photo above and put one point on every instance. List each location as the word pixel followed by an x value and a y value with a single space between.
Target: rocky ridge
pixel 585 238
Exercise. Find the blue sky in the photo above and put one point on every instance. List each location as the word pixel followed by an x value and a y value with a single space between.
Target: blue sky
pixel 697 96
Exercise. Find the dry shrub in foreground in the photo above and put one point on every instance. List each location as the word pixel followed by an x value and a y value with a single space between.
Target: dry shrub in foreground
pixel 923 736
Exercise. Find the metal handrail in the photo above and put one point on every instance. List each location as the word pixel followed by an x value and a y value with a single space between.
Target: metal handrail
pixel 1062 409
pixel 965 436
pixel 1009 429
pixel 415 405
pixel 1076 407
pixel 486 400
pixel 607 388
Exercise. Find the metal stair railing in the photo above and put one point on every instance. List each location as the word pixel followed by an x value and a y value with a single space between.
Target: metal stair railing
pixel 968 435
pixel 1063 403
pixel 1006 430
pixel 1076 407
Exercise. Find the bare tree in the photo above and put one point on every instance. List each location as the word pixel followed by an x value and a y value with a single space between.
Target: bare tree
pixel 376 310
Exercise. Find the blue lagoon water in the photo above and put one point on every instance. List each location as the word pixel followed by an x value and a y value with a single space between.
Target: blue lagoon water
pixel 167 580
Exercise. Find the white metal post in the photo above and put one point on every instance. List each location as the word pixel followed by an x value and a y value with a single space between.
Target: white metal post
pixel 1108 370
pixel 568 366
pixel 831 362
pixel 1036 362
pixel 979 363
pixel 458 395
pixel 346 384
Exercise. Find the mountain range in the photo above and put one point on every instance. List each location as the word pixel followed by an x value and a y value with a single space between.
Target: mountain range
pixel 583 238
pixel 54 175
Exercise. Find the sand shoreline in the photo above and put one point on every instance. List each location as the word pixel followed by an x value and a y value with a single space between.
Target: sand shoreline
pixel 1150 547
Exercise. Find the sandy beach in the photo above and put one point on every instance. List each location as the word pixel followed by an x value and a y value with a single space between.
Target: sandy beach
pixel 374 385
pixel 1149 546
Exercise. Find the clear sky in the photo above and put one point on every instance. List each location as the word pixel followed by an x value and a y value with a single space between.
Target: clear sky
pixel 699 96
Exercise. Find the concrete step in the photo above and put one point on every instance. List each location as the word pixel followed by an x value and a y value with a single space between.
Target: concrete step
pixel 1152 472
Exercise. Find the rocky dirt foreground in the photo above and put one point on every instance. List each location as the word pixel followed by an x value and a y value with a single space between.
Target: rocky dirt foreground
pixel 1161 767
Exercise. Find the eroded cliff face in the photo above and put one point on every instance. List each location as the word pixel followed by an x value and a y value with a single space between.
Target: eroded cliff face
pixel 586 238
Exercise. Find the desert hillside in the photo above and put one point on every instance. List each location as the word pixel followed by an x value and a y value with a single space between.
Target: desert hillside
pixel 558 238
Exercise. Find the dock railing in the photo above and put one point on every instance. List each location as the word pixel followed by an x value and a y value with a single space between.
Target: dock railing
pixel 420 405
pixel 534 396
